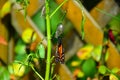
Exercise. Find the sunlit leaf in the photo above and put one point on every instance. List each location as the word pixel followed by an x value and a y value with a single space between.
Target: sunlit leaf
pixel 80 74
pixel 4 74
pixel 77 72
pixel 84 53
pixel 83 19
pixel 113 77
pixel 96 53
pixel 115 70
pixel 10 69
pixel 82 25
pixel 20 48
pixel 106 55
pixel 18 69
pixel 75 63
pixel 102 69
pixel 5 9
pixel 28 35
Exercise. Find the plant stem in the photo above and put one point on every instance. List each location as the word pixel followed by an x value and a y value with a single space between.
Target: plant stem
pixel 47 73
pixel 58 8
pixel 48 16
pixel 37 73
pixel 108 14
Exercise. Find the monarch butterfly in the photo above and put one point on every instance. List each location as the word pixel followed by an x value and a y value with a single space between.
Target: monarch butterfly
pixel 59 55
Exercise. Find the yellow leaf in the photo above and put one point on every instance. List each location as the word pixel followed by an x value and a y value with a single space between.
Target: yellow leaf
pixel 5 9
pixel 18 69
pixel 75 63
pixel 78 73
pixel 113 77
pixel 96 53
pixel 84 52
pixel 28 35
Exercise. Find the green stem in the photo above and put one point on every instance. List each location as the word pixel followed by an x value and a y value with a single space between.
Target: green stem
pixel 37 73
pixel 83 19
pixel 47 73
pixel 48 16
pixel 58 8
pixel 113 73
pixel 108 14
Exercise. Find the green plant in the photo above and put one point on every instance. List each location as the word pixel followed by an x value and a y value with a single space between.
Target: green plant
pixel 31 55
pixel 89 62
pixel 48 16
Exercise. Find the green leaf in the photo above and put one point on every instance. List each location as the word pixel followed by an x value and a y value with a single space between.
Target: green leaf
pixel 41 50
pixel 113 77
pixel 89 67
pixel 39 21
pixel 114 24
pixel 4 74
pixel 102 69
pixel 115 70
pixel 55 18
pixel 96 53
pixel 20 57
pixel 83 19
pixel 82 25
pixel 39 18
pixel 20 48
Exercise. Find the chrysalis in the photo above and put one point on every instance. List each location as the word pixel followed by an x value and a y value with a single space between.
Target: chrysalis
pixel 41 51
pixel 59 30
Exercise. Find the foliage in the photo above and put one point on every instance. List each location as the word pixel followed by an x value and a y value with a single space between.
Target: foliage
pixel 4 74
pixel 24 4
pixel 89 61
pixel 90 65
